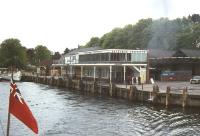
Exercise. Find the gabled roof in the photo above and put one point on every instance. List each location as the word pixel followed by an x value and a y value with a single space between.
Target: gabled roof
pixel 46 63
pixel 158 53
pixel 83 50
pixel 190 52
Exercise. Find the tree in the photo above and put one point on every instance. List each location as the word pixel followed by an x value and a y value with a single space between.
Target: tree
pixel 94 41
pixel 12 53
pixel 129 37
pixel 66 51
pixel 189 38
pixel 42 53
pixel 147 33
pixel 195 18
pixel 56 56
pixel 31 56
pixel 113 39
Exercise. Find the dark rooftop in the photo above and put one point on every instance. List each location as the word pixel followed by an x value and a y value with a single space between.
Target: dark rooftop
pixel 158 53
pixel 191 53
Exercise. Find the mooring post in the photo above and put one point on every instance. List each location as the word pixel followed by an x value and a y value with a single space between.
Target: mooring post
pixel 69 83
pixel 130 96
pixel 155 93
pixel 142 92
pixel 81 85
pixel 94 87
pixel 111 89
pixel 167 96
pixel 184 97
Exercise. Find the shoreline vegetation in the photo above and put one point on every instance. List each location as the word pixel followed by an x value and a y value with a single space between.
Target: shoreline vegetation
pixel 145 34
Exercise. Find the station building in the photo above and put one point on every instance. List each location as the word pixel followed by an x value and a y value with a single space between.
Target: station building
pixel 179 65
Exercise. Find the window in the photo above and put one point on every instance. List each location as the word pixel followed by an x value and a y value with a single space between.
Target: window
pixel 139 56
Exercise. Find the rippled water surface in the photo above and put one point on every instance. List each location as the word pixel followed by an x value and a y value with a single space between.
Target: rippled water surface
pixel 66 113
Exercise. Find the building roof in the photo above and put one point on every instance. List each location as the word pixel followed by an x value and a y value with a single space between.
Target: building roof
pixel 190 52
pixel 158 53
pixel 83 50
pixel 182 56
pixel 46 63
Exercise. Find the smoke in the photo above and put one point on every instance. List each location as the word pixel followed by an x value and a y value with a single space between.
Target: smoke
pixel 163 33
pixel 162 7
pixel 166 7
pixel 163 30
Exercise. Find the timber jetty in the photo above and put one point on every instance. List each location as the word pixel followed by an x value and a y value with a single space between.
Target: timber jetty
pixel 125 73
pixel 164 93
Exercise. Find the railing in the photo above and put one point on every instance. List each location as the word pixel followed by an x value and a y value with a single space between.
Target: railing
pixel 92 62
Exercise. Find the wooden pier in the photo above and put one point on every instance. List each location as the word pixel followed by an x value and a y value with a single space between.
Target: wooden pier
pixel 167 94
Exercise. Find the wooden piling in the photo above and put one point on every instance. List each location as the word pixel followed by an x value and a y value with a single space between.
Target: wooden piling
pixel 110 89
pixel 132 93
pixel 94 87
pixel 81 85
pixel 69 83
pixel 184 97
pixel 155 94
pixel 142 93
pixel 167 96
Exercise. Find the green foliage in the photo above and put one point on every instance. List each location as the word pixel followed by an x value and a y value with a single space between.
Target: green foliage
pixel 31 56
pixel 130 37
pixel 12 53
pixel 66 51
pixel 195 18
pixel 189 38
pixel 56 56
pixel 42 53
pixel 147 33
pixel 114 39
pixel 94 41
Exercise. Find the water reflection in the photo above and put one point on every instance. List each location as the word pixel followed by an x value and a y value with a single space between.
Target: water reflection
pixel 68 113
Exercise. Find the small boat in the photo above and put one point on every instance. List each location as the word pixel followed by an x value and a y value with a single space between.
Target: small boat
pixel 16 76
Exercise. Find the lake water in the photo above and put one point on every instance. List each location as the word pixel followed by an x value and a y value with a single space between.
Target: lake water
pixel 61 112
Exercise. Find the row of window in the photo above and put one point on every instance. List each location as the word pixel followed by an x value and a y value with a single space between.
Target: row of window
pixel 125 57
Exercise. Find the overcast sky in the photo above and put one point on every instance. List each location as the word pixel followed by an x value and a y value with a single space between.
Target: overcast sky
pixel 60 24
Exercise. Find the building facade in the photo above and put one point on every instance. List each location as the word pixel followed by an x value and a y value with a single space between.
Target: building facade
pixel 113 65
pixel 179 65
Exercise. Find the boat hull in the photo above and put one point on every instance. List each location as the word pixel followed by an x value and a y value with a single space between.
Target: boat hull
pixel 16 76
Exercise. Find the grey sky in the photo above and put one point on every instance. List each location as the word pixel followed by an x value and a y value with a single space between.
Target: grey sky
pixel 58 24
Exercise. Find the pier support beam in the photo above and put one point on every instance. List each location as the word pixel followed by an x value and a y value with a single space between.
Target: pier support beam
pixel 167 96
pixel 61 69
pixel 110 74
pixel 81 72
pixel 112 89
pixel 155 94
pixel 124 74
pixel 94 73
pixel 184 99
pixel 132 93
pixel 71 71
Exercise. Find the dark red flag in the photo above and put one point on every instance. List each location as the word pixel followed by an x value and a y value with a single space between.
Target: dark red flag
pixel 20 109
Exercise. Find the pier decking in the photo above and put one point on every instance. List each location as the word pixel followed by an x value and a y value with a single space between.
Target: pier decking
pixel 166 93
pixel 176 87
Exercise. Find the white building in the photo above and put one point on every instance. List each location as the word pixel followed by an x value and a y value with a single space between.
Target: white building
pixel 114 65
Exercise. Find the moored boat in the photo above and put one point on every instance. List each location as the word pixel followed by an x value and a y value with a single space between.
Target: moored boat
pixel 16 76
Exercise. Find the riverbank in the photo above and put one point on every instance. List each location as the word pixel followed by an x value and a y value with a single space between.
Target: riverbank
pixel 64 112
pixel 168 93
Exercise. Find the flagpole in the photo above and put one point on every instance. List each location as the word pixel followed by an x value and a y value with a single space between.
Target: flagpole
pixel 8 121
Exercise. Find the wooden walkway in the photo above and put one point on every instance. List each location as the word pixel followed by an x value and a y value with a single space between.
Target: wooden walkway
pixel 176 87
